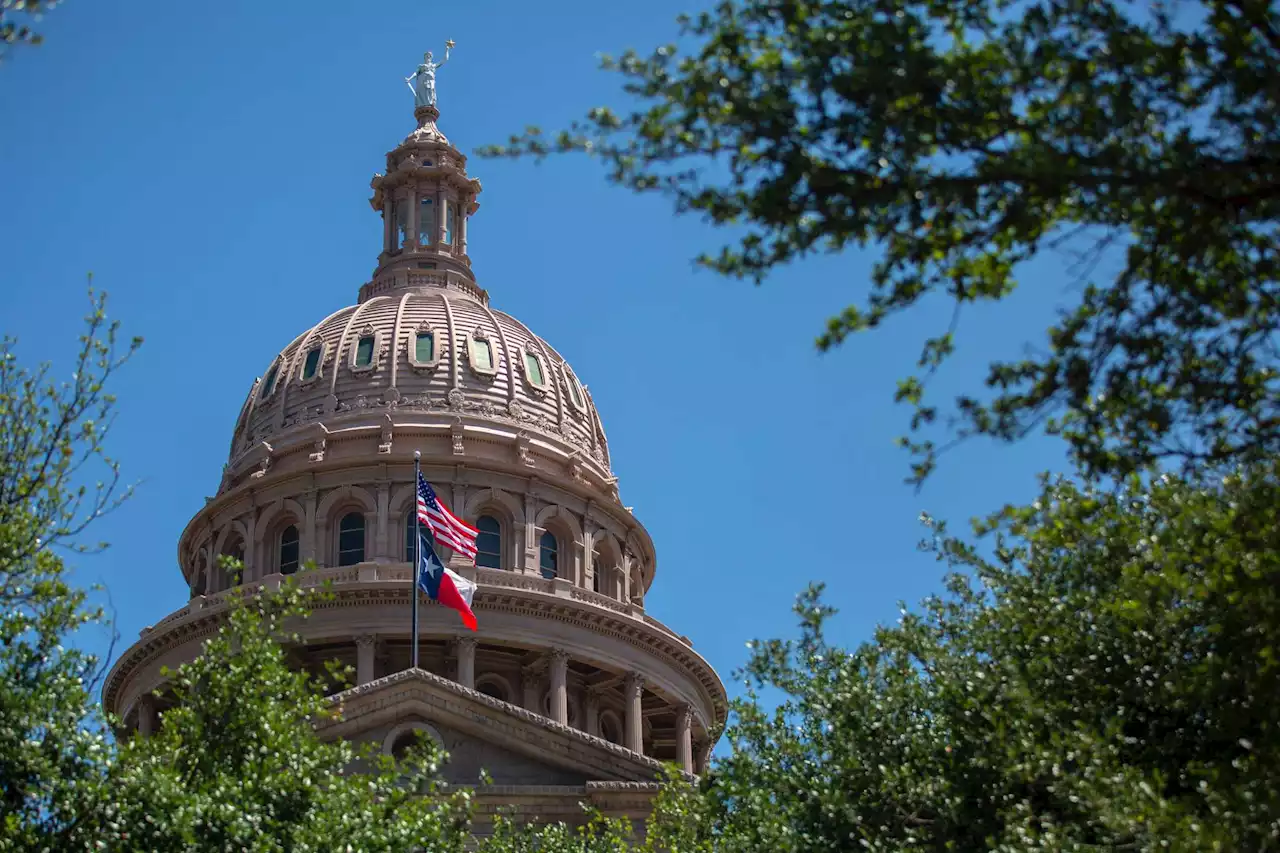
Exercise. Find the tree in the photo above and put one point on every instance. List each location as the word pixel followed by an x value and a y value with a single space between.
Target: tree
pixel 236 763
pixel 963 138
pixel 51 438
pixel 17 20
pixel 1104 677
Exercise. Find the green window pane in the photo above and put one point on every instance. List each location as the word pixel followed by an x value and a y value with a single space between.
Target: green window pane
pixel 482 352
pixel 351 539
pixel 534 367
pixel 489 542
pixel 364 351
pixel 312 364
pixel 549 555
pixel 424 347
pixel 575 390
pixel 269 384
pixel 289 550
pixel 426 222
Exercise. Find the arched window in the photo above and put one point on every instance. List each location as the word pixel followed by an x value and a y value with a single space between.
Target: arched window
pixel 227 576
pixel 610 729
pixel 489 542
pixel 312 363
pixel 482 354
pixel 289 550
pixel 426 222
pixel 549 555
pixel 493 687
pixel 448 222
pixel 364 351
pixel 269 384
pixel 424 347
pixel 351 539
pixel 597 570
pixel 403 742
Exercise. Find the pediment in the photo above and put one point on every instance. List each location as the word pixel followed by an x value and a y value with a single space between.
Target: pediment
pixel 488 727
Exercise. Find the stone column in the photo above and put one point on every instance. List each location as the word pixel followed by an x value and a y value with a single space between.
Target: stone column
pixel 308 546
pixel 147 715
pixel 633 690
pixel 559 686
pixel 382 550
pixel 413 218
pixel 684 738
pixel 531 681
pixel 366 647
pixel 593 711
pixel 440 216
pixel 388 222
pixel 465 649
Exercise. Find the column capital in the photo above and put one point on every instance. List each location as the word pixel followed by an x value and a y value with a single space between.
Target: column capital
pixel 684 715
pixel 634 682
pixel 534 668
pixel 465 642
pixel 365 641
pixel 559 656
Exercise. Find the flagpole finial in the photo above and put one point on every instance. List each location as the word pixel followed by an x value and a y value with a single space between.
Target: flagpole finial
pixel 417 454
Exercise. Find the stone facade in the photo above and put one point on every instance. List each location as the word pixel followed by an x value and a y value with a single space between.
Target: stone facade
pixel 569 692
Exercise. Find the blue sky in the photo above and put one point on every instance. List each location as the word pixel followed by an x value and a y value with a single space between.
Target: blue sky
pixel 210 163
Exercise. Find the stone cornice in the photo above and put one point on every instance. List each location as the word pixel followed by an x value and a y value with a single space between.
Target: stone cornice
pixel 196 622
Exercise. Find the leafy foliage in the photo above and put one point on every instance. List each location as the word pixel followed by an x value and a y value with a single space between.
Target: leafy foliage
pixel 1104 679
pixel 17 20
pixel 237 764
pixel 964 138
pixel 49 432
pixel 53 433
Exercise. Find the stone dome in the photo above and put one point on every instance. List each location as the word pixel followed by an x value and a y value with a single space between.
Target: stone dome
pixel 568 691
pixel 429 343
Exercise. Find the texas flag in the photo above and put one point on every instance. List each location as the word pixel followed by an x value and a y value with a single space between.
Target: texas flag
pixel 443 585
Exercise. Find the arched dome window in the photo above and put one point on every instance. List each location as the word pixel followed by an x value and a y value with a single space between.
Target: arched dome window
pixel 597 572
pixel 424 347
pixel 549 555
pixel 448 222
pixel 426 222
pixel 311 365
pixel 489 542
pixel 364 351
pixel 482 360
pixel 351 539
pixel 576 394
pixel 269 383
pixel 289 550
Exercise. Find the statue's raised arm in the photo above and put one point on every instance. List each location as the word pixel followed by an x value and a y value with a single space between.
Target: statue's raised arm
pixel 448 46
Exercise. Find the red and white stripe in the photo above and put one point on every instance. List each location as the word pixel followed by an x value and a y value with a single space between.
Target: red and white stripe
pixel 448 529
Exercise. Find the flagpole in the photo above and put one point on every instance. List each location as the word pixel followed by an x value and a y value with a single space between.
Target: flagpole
pixel 417 554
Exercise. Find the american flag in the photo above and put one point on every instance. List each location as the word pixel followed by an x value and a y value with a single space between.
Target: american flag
pixel 447 528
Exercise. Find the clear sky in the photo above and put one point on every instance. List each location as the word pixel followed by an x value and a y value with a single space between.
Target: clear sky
pixel 210 164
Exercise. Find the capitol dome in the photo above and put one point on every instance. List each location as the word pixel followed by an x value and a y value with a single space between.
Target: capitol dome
pixel 569 692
